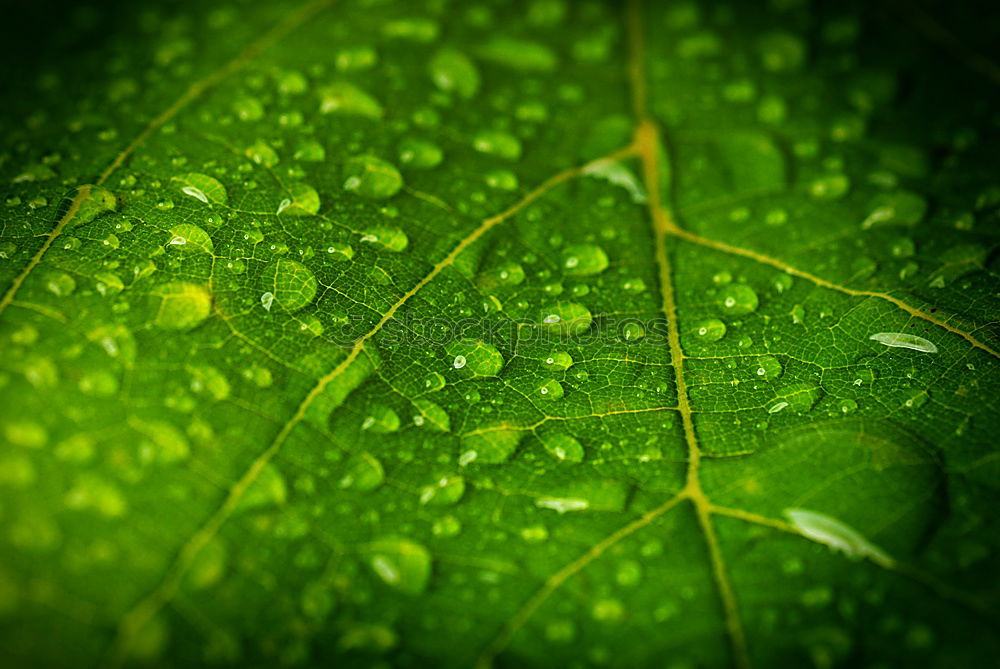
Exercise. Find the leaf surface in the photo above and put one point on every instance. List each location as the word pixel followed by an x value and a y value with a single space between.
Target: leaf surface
pixel 514 334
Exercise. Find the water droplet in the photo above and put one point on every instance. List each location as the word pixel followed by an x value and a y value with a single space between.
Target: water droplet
pixel 798 397
pixel 372 177
pixel 381 420
pixel 492 444
pixel 453 71
pixel 629 573
pixel 363 472
pixel 558 360
pixel 617 174
pixel 60 284
pixel 248 108
pixel 390 238
pixel 584 260
pixel 837 535
pixel 340 251
pixel 781 283
pixel 535 534
pixel 768 368
pixel 475 357
pixel 346 98
pixel 562 446
pixel 303 201
pixel 420 154
pixel 446 526
pixel 504 180
pixel 182 306
pixel 633 331
pixel 737 300
pixel 191 237
pixel 433 382
pixel 899 208
pixel 431 415
pixel 356 58
pixel 402 564
pixel 549 389
pixel 292 284
pixel 903 340
pixel 497 143
pixel 202 187
pixel 518 54
pixel 445 491
pixel 266 300
pixel 847 406
pixel 782 51
pixel 566 318
pixel 562 505
pixel 310 151
pixel 262 154
pixel 505 274
pixel 830 187
pixel 916 399
pixel 709 329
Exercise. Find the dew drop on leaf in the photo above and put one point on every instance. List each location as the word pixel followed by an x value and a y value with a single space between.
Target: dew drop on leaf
pixel 445 491
pixel 401 564
pixel 187 236
pixel 202 187
pixel 363 472
pixel 182 305
pixel 475 357
pixel 419 154
pixel 291 284
pixel 584 260
pixel 558 360
pixel 549 389
pixel 390 238
pixel 380 420
pixel 371 177
pixel 453 72
pixel 497 143
pixel 566 318
pixel 903 340
pixel 348 99
pixel 768 368
pixel 737 300
pixel 708 330
pixel 562 446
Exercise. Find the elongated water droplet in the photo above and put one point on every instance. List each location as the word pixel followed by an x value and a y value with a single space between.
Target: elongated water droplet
pixel 903 340
pixel 837 535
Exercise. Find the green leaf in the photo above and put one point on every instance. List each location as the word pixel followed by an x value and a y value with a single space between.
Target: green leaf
pixel 530 333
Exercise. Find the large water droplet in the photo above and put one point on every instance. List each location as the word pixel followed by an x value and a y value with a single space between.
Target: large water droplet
pixel 292 284
pixel 182 306
pixel 402 564
pixel 737 300
pixel 372 177
pixel 584 260
pixel 453 71
pixel 475 357
pixel 566 318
